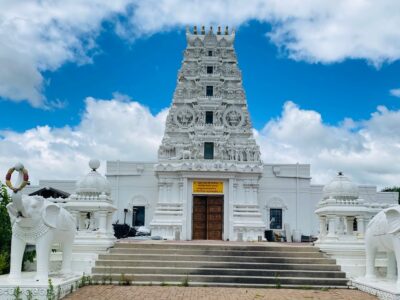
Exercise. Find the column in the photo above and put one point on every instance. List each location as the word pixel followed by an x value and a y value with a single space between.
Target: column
pixel 82 218
pixel 349 225
pixel 322 227
pixel 332 226
pixel 360 226
pixel 110 229
pixel 340 226
pixel 180 185
pixel 168 188
pixel 75 215
pixel 102 215
pixel 161 191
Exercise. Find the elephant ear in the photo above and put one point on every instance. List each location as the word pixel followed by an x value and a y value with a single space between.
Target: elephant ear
pixel 50 215
pixel 393 219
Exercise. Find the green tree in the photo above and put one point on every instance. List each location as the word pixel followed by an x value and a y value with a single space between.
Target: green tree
pixel 393 189
pixel 5 231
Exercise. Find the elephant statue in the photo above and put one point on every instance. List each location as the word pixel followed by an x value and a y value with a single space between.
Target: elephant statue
pixel 38 221
pixel 383 234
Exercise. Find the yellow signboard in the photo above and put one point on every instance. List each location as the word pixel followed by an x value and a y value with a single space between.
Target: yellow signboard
pixel 208 187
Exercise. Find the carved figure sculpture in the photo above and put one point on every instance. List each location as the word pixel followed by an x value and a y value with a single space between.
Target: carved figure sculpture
pixel 36 220
pixel 383 234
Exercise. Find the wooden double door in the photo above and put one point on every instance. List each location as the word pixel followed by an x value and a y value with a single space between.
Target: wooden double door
pixel 208 217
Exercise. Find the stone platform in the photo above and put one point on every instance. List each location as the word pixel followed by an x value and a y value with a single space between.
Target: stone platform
pixel 62 286
pixel 382 288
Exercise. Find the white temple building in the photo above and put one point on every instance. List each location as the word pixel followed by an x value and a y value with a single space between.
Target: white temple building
pixel 209 181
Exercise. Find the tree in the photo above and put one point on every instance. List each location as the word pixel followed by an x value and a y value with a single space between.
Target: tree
pixel 5 231
pixel 393 189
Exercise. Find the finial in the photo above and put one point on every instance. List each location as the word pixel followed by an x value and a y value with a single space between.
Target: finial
pixel 226 30
pixel 18 167
pixel 219 30
pixel 203 30
pixel 94 164
pixel 195 29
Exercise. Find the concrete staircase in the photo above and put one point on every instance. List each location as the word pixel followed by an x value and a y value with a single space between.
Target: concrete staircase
pixel 250 265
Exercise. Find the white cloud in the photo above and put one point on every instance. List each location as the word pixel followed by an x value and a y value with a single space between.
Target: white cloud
pixel 37 36
pixel 109 129
pixel 366 150
pixel 395 92
pixel 311 30
pixel 119 128
pixel 42 35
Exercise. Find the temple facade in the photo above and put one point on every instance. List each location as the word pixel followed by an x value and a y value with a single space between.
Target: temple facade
pixel 209 181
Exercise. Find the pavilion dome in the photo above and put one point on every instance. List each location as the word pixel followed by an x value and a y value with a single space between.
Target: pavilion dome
pixel 93 182
pixel 341 187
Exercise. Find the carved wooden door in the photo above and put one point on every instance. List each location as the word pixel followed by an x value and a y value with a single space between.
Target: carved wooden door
pixel 199 218
pixel 208 217
pixel 215 213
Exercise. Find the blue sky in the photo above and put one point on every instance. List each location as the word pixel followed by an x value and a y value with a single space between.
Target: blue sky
pixel 348 89
pixel 83 79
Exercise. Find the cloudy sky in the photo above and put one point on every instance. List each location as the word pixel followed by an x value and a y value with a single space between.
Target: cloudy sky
pixel 82 79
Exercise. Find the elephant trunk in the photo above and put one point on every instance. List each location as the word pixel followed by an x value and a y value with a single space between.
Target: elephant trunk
pixel 17 200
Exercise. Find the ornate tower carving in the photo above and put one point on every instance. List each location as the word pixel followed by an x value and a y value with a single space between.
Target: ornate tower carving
pixel 208 137
pixel 209 118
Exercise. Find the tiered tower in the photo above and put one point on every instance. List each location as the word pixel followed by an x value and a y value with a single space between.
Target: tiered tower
pixel 209 117
pixel 208 136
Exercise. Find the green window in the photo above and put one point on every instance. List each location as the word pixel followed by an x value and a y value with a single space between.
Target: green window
pixel 275 218
pixel 208 150
pixel 209 91
pixel 209 117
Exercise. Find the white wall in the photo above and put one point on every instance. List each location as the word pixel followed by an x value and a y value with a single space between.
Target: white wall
pixel 132 184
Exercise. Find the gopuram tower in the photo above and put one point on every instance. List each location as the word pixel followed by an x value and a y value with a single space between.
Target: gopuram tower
pixel 209 163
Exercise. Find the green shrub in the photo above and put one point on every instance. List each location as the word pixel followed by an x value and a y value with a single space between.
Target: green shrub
pixel 5 231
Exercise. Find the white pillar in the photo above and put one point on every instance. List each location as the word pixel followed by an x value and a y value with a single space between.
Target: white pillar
pixel 110 229
pixel 168 196
pixel 332 226
pixel 340 225
pixel 360 226
pixel 161 191
pixel 82 218
pixel 322 227
pixel 349 225
pixel 102 215
pixel 75 215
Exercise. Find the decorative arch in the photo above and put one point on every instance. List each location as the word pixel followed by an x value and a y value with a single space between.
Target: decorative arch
pixel 139 200
pixel 276 202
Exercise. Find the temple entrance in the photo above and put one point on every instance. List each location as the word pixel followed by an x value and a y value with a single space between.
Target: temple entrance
pixel 208 216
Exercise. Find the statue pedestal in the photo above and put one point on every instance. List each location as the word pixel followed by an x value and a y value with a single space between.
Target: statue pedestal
pixel 380 287
pixel 62 286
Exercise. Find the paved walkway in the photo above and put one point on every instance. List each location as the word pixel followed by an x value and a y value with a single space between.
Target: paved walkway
pixel 100 292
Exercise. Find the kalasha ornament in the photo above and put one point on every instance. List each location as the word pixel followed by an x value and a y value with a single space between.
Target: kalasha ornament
pixel 25 177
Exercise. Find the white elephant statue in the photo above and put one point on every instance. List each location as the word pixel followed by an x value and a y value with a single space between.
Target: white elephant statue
pixel 38 221
pixel 383 234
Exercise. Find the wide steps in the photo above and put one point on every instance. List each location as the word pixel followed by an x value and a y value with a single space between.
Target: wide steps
pixel 257 265
pixel 275 253
pixel 224 247
pixel 218 271
pixel 180 279
pixel 218 258
pixel 217 264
